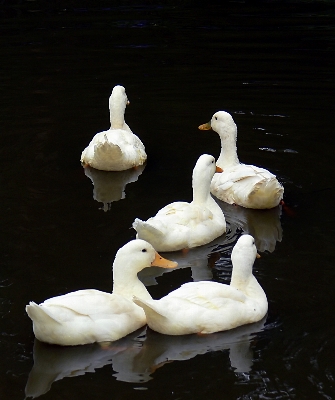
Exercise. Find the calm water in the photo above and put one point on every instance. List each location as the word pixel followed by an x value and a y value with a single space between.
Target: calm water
pixel 272 67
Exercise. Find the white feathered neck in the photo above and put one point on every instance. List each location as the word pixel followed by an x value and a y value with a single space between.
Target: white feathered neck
pixel 117 105
pixel 201 179
pixel 243 257
pixel 223 123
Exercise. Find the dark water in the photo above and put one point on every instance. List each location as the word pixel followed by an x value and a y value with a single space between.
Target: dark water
pixel 270 64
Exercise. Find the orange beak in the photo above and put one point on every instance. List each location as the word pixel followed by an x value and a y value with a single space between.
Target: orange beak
pixel 205 127
pixel 162 262
pixel 218 169
pixel 258 256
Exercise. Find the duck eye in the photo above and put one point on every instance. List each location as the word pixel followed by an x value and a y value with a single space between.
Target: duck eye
pixel 144 250
pixel 216 118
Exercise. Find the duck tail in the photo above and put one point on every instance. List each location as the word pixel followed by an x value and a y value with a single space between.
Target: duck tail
pixel 39 314
pixel 150 309
pixel 145 231
pixel 107 150
pixel 274 186
pixel 266 194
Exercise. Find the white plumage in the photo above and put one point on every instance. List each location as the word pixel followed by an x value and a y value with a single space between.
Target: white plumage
pixel 181 225
pixel 88 316
pixel 245 185
pixel 208 307
pixel 116 149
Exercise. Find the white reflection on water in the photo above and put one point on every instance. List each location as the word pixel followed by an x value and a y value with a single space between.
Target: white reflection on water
pixel 137 356
pixel 263 225
pixel 196 258
pixel 110 186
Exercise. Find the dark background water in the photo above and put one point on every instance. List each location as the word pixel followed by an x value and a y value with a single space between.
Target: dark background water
pixel 270 64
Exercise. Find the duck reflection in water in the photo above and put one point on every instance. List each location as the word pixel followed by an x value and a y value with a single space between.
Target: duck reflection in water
pixel 263 225
pixel 137 356
pixel 110 186
pixel 197 259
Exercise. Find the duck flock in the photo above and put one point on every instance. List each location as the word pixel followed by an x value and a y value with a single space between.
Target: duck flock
pixel 203 307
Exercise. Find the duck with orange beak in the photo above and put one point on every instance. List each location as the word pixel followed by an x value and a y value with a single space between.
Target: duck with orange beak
pixel 89 315
pixel 241 184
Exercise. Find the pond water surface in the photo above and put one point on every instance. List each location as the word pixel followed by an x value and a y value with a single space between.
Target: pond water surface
pixel 271 65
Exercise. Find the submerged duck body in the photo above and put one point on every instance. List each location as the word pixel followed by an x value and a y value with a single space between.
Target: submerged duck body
pixel 117 148
pixel 207 307
pixel 88 316
pixel 181 225
pixel 244 185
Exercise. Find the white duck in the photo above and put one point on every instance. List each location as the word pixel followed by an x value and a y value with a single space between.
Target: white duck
pixel 116 149
pixel 182 225
pixel 88 316
pixel 208 307
pixel 244 185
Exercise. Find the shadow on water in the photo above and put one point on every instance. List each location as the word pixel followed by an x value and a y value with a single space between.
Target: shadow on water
pixel 271 65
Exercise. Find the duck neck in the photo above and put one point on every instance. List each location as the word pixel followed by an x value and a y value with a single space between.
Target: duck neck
pixel 242 270
pixel 246 282
pixel 201 187
pixel 202 196
pixel 126 282
pixel 228 156
pixel 117 115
